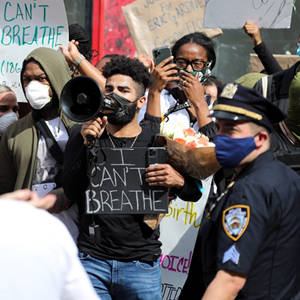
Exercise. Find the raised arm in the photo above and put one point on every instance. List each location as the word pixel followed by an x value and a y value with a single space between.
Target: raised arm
pixel 72 55
pixel 266 57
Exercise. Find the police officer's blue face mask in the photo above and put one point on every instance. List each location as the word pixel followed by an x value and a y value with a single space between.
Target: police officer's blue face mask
pixel 230 152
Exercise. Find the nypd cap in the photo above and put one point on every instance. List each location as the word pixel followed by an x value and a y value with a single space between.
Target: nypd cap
pixel 239 103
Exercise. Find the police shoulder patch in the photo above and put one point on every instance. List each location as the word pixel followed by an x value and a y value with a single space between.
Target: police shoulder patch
pixel 235 220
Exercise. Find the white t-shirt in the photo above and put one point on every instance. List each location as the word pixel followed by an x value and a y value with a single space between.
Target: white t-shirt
pixel 46 165
pixel 38 258
pixel 168 101
pixel 46 170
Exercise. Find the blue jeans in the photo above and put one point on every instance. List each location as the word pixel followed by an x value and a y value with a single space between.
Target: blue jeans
pixel 115 280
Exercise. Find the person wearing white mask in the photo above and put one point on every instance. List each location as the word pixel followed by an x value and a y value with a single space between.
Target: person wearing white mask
pixel 8 108
pixel 31 150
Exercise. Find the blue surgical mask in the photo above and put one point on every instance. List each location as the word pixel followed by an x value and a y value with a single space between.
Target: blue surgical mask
pixel 298 50
pixel 230 152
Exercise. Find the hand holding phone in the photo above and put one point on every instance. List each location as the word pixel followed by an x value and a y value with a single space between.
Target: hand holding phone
pixel 161 53
pixel 157 155
pixel 164 71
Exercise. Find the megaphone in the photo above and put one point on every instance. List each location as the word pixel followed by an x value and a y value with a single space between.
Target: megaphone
pixel 82 99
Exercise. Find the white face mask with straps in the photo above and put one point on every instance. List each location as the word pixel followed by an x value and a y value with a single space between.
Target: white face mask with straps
pixel 37 94
pixel 6 120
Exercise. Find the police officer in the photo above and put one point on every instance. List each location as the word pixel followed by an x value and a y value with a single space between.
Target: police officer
pixel 251 238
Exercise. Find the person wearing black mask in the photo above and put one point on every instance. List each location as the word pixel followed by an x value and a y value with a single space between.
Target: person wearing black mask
pixel 125 263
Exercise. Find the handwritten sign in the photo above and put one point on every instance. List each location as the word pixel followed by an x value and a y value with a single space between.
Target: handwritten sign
pixel 118 186
pixel 235 13
pixel 183 220
pixel 157 23
pixel 24 26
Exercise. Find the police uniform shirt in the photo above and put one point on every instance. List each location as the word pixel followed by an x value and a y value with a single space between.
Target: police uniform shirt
pixel 255 230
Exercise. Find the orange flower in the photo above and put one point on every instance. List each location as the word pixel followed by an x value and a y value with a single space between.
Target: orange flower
pixel 192 144
pixel 189 132
pixel 180 141
pixel 203 140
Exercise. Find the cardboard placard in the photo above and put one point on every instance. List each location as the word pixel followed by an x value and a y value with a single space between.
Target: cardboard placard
pixel 155 23
pixel 266 14
pixel 118 185
pixel 24 26
pixel 285 61
pixel 183 221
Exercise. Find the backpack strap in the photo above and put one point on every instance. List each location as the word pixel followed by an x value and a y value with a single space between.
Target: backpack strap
pixel 51 143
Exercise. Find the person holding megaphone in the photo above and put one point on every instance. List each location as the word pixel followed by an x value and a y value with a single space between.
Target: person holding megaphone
pixel 124 262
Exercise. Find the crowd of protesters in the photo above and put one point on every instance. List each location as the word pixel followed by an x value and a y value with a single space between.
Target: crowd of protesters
pixel 248 243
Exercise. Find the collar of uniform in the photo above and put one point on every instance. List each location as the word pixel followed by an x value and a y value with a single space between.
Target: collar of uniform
pixel 256 163
pixel 286 77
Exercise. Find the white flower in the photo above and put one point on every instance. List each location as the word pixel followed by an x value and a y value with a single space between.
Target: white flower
pixel 166 129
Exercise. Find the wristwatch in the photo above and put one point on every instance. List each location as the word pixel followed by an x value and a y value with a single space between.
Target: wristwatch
pixel 78 60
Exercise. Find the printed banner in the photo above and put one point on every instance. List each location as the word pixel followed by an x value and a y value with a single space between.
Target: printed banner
pixel 24 26
pixel 157 23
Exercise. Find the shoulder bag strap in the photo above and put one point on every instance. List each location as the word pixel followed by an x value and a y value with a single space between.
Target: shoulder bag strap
pixel 51 143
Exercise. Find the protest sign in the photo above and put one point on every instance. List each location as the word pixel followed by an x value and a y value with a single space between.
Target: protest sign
pixel 235 13
pixel 24 26
pixel 118 183
pixel 157 23
pixel 179 229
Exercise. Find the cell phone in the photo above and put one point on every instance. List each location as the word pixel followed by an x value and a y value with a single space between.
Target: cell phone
pixel 157 155
pixel 161 53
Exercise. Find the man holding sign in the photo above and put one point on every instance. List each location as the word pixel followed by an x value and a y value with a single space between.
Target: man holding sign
pixel 121 252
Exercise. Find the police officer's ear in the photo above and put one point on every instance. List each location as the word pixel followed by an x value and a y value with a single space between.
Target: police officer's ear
pixel 261 138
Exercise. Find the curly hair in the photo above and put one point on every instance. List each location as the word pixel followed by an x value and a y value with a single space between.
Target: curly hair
pixel 79 34
pixel 132 68
pixel 202 40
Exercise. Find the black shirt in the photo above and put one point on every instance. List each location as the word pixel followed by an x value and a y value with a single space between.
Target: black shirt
pixel 124 237
pixel 267 59
pixel 254 230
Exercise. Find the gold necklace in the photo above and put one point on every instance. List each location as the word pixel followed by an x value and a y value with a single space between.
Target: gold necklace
pixel 108 134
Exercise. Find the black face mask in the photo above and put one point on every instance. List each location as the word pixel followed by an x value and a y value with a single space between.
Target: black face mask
pixel 125 110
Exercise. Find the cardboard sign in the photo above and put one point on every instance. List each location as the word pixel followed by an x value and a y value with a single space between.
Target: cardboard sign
pixel 285 61
pixel 266 14
pixel 24 26
pixel 157 23
pixel 183 221
pixel 118 184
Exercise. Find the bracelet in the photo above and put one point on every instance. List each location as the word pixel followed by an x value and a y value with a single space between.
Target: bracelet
pixel 78 60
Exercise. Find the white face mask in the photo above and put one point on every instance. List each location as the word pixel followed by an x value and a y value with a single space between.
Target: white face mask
pixel 6 120
pixel 37 94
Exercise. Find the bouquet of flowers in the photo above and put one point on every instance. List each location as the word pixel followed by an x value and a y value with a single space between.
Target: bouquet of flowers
pixel 188 152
